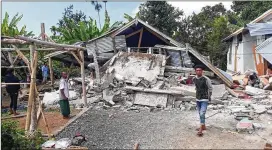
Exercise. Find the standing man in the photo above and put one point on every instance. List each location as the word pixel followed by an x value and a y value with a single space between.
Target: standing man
pixel 12 90
pixel 44 72
pixel 203 95
pixel 64 95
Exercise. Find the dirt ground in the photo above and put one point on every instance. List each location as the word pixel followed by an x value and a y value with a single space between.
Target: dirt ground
pixel 53 117
pixel 158 130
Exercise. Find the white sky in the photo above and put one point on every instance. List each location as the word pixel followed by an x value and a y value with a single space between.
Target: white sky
pixel 194 6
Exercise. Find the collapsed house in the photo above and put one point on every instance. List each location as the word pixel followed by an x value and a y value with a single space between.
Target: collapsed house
pixel 138 36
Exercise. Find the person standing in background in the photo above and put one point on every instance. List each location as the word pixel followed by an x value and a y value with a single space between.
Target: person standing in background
pixel 12 90
pixel 45 73
pixel 64 96
pixel 203 95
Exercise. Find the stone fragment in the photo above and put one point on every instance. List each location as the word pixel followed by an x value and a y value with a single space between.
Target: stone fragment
pixel 269 112
pixel 258 126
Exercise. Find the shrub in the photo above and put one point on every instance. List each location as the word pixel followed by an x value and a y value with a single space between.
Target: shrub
pixel 14 138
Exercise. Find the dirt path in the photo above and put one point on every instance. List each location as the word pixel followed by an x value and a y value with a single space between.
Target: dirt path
pixel 158 130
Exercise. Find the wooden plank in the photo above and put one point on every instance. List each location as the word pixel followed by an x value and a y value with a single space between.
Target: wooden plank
pixel 140 38
pixel 133 33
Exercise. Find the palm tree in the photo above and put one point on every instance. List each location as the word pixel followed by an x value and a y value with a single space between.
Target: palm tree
pixel 128 17
pixel 9 28
pixel 97 7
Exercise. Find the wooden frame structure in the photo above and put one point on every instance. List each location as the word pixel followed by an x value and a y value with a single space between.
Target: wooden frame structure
pixel 32 118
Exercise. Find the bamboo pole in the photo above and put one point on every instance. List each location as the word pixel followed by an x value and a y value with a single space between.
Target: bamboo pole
pixel 13 83
pixel 27 49
pixel 13 41
pixel 31 91
pixel 49 43
pixel 43 31
pixel 22 56
pixel 34 123
pixel 51 70
pixel 83 78
pixel 17 67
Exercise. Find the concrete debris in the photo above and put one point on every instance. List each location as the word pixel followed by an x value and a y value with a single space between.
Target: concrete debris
pixel 269 112
pixel 254 91
pixel 150 99
pixel 258 126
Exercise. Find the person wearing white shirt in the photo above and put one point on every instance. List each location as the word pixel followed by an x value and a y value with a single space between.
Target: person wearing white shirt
pixel 64 96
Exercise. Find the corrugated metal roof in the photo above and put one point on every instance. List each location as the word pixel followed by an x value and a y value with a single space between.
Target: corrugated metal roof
pixel 267 13
pixel 264 44
pixel 105 44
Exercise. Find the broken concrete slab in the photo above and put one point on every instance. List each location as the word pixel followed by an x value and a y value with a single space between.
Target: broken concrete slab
pixel 218 91
pixel 254 91
pixel 150 99
pixel 147 66
pixel 244 125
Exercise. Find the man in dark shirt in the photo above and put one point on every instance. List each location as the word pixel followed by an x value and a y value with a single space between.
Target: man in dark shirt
pixel 203 95
pixel 13 90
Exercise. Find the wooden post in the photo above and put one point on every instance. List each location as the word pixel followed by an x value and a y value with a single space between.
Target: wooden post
pixel 81 53
pixel 34 123
pixel 31 52
pixel 51 70
pixel 10 58
pixel 31 91
pixel 43 31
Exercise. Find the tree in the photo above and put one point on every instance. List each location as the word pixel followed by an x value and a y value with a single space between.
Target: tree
pixel 160 15
pixel 97 8
pixel 195 28
pixel 249 10
pixel 216 48
pixel 74 29
pixel 10 28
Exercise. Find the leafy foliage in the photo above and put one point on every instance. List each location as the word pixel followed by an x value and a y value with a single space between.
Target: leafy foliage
pixel 249 10
pixel 160 15
pixel 74 27
pixel 10 28
pixel 14 138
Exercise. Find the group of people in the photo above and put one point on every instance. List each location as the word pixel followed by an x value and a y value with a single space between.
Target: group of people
pixel 14 89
